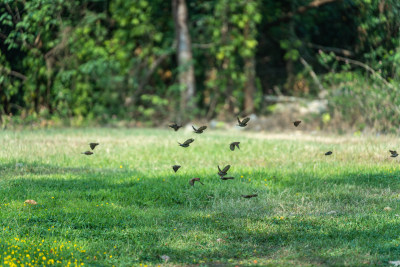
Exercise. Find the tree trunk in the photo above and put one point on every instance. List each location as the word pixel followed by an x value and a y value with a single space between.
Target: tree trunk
pixel 250 74
pixel 185 59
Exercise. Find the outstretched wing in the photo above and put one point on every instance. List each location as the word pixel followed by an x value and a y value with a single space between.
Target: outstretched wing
pixel 239 120
pixel 232 146
pixel 93 145
pixel 237 145
pixel 226 168
pixel 246 120
pixel 202 128
pixel 219 169
pixel 393 151
pixel 194 128
pixel 188 141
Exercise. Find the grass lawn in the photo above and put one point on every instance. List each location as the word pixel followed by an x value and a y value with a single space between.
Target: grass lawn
pixel 125 206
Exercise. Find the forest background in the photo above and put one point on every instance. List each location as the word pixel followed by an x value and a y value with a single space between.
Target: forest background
pixel 145 62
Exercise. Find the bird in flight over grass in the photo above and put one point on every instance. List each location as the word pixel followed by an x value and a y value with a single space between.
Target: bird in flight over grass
pixel 393 153
pixel 199 130
pixel 243 123
pixel 296 123
pixel 249 196
pixel 233 145
pixel 186 143
pixel 175 126
pixel 88 153
pixel 328 153
pixel 224 171
pixel 176 168
pixel 227 178
pixel 93 145
pixel 193 180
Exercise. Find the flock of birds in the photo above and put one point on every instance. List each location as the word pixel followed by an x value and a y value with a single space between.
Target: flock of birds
pixel 224 172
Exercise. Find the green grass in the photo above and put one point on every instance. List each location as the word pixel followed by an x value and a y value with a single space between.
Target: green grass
pixel 125 206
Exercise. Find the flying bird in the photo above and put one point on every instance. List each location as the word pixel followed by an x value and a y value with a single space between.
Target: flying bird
pixel 186 143
pixel 93 145
pixel 224 171
pixel 193 180
pixel 175 126
pixel 393 153
pixel 232 145
pixel 227 178
pixel 199 130
pixel 88 153
pixel 328 153
pixel 176 168
pixel 249 196
pixel 244 122
pixel 296 123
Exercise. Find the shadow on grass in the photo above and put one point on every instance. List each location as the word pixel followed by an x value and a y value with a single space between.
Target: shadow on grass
pixel 138 212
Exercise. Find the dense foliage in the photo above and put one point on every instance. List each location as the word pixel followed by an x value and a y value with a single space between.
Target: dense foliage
pixel 99 60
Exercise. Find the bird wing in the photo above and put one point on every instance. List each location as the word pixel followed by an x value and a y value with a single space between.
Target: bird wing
pixel 194 128
pixel 393 151
pixel 202 128
pixel 244 121
pixel 237 145
pixel 226 168
pixel 238 120
pixel 219 169
pixel 188 141
pixel 93 145
pixel 232 146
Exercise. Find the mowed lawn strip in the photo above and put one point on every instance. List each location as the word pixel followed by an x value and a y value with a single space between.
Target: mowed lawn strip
pixel 125 206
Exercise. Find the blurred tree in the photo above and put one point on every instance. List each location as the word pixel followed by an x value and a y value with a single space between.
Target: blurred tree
pixel 185 59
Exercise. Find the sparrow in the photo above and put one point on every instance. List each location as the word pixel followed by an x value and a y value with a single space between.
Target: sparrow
pixel 328 153
pixel 176 168
pixel 393 153
pixel 88 153
pixel 175 126
pixel 296 123
pixel 232 145
pixel 193 180
pixel 249 196
pixel 93 145
pixel 186 143
pixel 224 171
pixel 227 178
pixel 199 130
pixel 244 122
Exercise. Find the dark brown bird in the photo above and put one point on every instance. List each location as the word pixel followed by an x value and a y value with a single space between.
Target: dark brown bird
pixel 175 126
pixel 93 145
pixel 393 153
pixel 244 122
pixel 176 168
pixel 224 171
pixel 87 153
pixel 249 196
pixel 193 180
pixel 328 153
pixel 199 130
pixel 296 123
pixel 232 145
pixel 186 143
pixel 227 178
